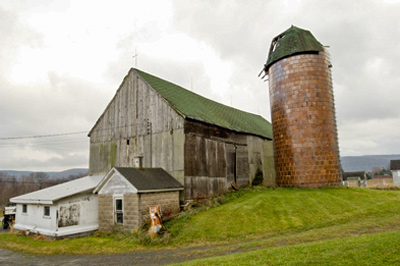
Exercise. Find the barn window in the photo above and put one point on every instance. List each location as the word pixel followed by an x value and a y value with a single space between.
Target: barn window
pixel 24 208
pixel 46 211
pixel 119 211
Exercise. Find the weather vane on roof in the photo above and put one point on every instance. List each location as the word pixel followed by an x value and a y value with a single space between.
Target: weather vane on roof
pixel 135 56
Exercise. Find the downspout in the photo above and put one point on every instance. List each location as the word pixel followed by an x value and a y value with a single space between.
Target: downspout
pixel 56 233
pixel 140 211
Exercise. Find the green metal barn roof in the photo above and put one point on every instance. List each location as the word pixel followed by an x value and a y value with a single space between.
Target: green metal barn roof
pixel 196 107
pixel 292 41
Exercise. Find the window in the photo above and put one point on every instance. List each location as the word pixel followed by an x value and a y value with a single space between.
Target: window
pixel 119 211
pixel 46 211
pixel 24 208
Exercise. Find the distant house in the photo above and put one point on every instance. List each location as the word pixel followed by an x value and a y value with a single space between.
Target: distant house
pixel 361 174
pixel 380 181
pixel 395 168
pixel 125 195
pixel 203 144
pixel 65 210
pixel 354 179
pixel 353 182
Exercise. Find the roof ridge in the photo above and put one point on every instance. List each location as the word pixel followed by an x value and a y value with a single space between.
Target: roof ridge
pixel 197 107
pixel 189 91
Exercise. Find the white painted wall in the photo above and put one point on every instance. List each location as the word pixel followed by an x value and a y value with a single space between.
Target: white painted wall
pixel 35 220
pixel 396 177
pixel 86 218
pixel 88 206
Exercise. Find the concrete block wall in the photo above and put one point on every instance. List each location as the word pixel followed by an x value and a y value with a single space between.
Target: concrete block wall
pixel 131 212
pixel 106 213
pixel 169 202
pixel 134 218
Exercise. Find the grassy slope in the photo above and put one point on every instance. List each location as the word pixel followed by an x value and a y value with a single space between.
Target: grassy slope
pixel 260 218
pixel 375 249
pixel 268 213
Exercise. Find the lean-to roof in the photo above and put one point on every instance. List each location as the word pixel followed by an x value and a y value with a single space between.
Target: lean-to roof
pixel 54 193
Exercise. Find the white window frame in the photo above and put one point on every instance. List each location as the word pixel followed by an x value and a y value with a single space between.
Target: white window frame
pixel 44 212
pixel 25 206
pixel 116 212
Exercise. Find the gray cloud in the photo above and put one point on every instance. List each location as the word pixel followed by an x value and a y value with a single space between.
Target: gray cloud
pixel 362 35
pixel 189 74
pixel 363 41
pixel 15 35
pixel 58 163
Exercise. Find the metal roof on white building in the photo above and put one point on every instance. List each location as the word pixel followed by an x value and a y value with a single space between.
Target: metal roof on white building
pixel 52 194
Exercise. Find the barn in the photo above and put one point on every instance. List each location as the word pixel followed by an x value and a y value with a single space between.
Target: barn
pixel 203 144
pixel 64 210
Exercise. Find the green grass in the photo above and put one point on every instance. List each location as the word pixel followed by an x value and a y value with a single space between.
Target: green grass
pixel 113 243
pixel 376 249
pixel 258 218
pixel 267 212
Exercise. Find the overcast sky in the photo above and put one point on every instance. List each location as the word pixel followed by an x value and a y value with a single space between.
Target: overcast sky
pixel 61 63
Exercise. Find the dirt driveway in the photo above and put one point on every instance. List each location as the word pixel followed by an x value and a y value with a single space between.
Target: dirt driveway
pixel 160 257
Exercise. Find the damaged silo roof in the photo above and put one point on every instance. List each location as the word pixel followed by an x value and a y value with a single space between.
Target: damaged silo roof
pixel 292 41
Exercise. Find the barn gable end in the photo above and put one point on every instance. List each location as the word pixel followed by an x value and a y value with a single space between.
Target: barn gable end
pixel 137 123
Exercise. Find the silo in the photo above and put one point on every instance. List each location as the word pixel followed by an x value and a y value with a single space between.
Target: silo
pixel 302 110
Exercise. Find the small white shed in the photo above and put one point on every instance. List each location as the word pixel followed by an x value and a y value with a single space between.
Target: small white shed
pixel 64 210
pixel 395 168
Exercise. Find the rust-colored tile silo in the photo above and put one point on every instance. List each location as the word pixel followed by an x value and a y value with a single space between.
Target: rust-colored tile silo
pixel 303 111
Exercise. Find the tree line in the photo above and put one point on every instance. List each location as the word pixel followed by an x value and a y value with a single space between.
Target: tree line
pixel 11 186
pixel 378 171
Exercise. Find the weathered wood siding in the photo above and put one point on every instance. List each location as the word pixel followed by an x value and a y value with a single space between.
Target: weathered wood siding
pixel 215 156
pixel 137 122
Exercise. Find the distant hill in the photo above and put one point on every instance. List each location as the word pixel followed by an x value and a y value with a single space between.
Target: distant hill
pixel 349 164
pixel 62 174
pixel 367 162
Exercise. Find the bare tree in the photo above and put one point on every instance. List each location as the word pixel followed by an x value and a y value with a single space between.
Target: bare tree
pixel 10 186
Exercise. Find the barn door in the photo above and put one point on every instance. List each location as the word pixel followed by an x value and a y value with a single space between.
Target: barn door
pixel 230 164
pixel 242 166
